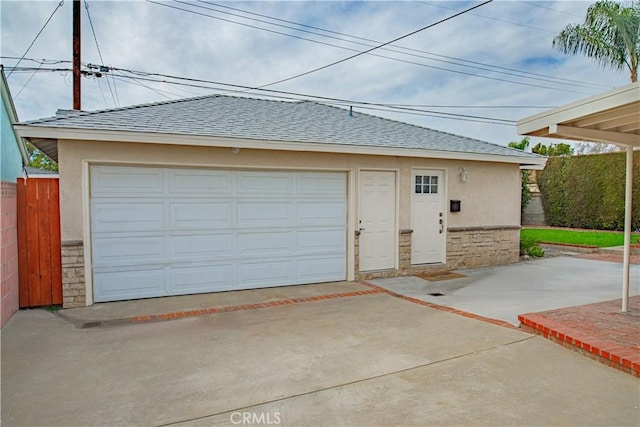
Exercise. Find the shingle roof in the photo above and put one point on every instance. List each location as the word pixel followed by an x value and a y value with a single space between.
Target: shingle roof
pixel 262 119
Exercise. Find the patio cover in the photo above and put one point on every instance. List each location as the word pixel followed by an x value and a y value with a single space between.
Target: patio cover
pixel 612 117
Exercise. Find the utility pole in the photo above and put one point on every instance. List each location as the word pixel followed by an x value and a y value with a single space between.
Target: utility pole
pixel 77 75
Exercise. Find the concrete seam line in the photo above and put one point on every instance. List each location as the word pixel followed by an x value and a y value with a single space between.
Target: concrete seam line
pixel 306 393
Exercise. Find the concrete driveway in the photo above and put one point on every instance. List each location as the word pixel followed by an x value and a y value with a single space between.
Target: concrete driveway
pixel 366 360
pixel 505 292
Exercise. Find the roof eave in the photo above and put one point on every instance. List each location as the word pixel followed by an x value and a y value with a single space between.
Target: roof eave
pixel 40 135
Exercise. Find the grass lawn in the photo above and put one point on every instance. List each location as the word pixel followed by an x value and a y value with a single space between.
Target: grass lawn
pixel 601 239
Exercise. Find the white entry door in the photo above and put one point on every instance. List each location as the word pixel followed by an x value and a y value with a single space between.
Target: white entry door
pixel 428 217
pixel 377 224
pixel 171 231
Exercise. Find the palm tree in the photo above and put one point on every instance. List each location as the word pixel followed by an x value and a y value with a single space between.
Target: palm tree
pixel 609 35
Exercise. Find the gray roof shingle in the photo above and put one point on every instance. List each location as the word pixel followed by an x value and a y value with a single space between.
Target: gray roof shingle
pixel 262 119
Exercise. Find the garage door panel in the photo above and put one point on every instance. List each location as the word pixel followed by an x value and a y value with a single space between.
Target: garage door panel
pixel 118 181
pixel 321 269
pixel 209 246
pixel 327 184
pixel 252 244
pixel 128 284
pixel 214 230
pixel 265 214
pixel 204 278
pixel 121 251
pixel 200 215
pixel 264 184
pixel 327 213
pixel 273 272
pixel 114 217
pixel 203 183
pixel 327 240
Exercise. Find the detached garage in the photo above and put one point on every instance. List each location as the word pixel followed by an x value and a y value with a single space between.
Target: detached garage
pixel 223 193
pixel 170 231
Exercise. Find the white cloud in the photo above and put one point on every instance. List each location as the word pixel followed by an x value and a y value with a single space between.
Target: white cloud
pixel 140 35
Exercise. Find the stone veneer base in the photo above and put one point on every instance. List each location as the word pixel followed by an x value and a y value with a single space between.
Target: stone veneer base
pixel 73 283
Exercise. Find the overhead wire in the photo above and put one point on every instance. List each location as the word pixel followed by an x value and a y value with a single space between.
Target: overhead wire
pixel 27 82
pixel 138 76
pixel 530 3
pixel 52 61
pixel 487 17
pixel 375 47
pixel 38 35
pixel 378 55
pixel 449 59
pixel 136 82
pixel 95 38
pixel 104 98
pixel 280 94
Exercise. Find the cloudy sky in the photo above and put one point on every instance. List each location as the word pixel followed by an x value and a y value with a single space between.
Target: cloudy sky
pixel 487 68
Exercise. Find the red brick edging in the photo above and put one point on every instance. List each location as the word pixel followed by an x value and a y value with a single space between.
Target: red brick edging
pixel 373 291
pixel 442 307
pixel 224 309
pixel 606 352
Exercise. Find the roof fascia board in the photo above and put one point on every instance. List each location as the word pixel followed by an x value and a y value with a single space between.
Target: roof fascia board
pixel 596 104
pixel 29 131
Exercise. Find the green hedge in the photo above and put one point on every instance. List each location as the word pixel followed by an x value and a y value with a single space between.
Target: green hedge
pixel 588 191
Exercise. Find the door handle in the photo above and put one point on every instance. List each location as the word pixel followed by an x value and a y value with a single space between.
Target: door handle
pixel 361 229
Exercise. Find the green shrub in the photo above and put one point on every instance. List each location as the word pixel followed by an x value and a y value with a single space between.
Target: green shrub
pixel 530 247
pixel 535 251
pixel 588 191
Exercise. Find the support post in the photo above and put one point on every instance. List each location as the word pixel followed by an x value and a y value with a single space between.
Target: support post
pixel 627 229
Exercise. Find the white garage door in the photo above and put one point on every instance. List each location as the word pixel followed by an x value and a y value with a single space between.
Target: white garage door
pixel 157 232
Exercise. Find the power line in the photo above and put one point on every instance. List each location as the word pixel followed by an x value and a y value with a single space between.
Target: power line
pixel 53 61
pixel 38 35
pixel 136 82
pixel 549 8
pixel 370 106
pixel 387 57
pixel 462 118
pixel 375 47
pixel 278 94
pixel 450 59
pixel 25 85
pixel 293 96
pixel 39 61
pixel 106 104
pixel 86 6
pixel 487 17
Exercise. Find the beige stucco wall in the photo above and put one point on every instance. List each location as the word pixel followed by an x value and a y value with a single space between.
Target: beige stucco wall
pixel 490 197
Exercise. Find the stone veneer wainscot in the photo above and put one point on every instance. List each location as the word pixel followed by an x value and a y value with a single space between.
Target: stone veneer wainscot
pixel 73 283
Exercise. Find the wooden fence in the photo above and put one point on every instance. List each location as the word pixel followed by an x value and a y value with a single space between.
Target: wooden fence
pixel 39 256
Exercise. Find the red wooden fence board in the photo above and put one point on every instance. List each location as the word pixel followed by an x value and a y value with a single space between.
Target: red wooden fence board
pixel 44 244
pixel 33 244
pixel 56 254
pixel 40 260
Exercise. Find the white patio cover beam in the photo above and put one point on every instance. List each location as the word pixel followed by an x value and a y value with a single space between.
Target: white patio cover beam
pixel 595 135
